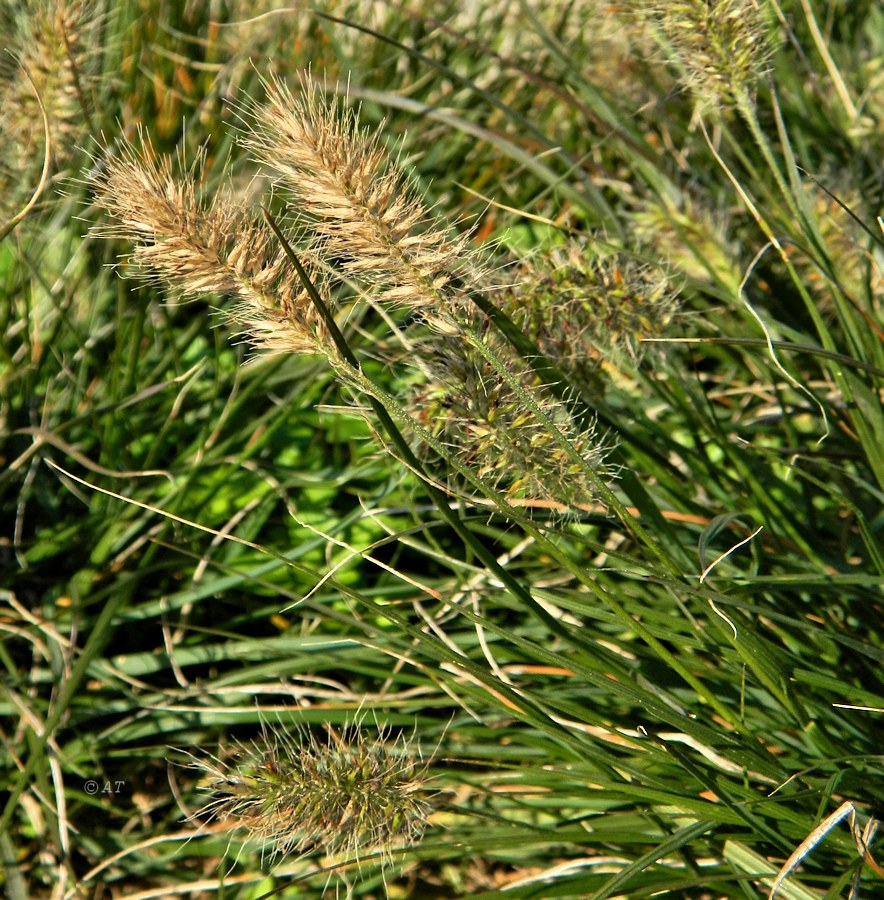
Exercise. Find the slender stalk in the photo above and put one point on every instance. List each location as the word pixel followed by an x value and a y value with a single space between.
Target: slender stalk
pixel 404 450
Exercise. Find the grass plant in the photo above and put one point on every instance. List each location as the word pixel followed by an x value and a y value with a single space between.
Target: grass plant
pixel 443 449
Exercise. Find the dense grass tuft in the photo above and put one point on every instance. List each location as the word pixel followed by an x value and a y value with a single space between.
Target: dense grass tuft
pixel 497 379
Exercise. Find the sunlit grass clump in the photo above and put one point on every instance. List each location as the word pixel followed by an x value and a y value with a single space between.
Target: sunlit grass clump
pixel 512 370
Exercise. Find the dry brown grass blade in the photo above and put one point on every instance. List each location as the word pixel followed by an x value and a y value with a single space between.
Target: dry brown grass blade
pixel 863 838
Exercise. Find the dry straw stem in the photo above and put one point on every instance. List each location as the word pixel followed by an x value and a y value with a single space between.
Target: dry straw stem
pixel 342 180
pixel 202 247
pixel 349 795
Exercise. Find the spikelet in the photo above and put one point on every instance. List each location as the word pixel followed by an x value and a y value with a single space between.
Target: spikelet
pixel 206 247
pixel 295 794
pixel 584 308
pixel 722 48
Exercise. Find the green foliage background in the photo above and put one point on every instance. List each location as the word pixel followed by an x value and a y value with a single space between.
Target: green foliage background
pixel 644 724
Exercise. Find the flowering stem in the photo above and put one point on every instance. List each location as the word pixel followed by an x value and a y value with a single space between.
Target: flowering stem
pixel 441 501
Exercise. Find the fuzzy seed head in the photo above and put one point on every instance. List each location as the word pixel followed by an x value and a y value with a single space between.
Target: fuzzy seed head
pixel 584 310
pixel 203 247
pixel 487 425
pixel 692 239
pixel 52 48
pixel 340 177
pixel 722 47
pixel 857 264
pixel 349 796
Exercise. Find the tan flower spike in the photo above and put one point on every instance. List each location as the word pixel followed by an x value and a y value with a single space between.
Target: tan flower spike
pixel 206 247
pixel 342 181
